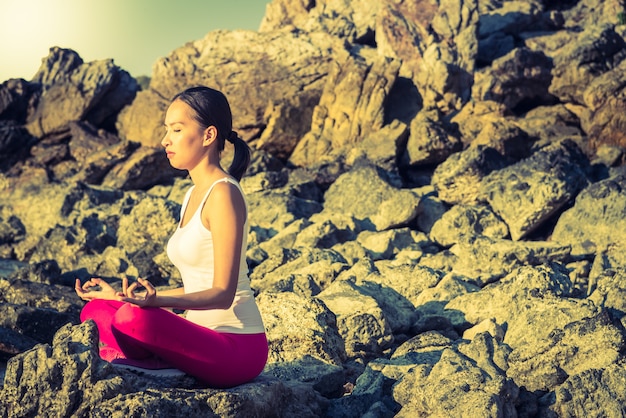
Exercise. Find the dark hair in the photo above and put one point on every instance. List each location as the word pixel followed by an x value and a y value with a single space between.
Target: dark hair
pixel 211 108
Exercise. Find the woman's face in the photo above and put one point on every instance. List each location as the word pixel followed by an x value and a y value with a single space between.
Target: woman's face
pixel 184 137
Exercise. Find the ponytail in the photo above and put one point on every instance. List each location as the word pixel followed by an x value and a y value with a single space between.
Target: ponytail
pixel 241 159
pixel 212 109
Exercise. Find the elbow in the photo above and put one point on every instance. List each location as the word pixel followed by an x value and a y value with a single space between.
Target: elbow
pixel 225 300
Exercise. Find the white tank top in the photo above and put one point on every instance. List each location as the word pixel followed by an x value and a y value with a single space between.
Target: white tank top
pixel 191 250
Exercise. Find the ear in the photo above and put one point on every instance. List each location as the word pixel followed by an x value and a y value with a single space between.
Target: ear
pixel 210 135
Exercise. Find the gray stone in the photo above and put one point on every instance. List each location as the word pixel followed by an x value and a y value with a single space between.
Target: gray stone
pixel 527 194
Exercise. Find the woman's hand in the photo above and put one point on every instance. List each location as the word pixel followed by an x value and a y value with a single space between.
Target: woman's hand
pixel 106 291
pixel 149 298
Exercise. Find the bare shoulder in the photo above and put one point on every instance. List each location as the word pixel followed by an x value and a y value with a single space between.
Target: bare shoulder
pixel 225 196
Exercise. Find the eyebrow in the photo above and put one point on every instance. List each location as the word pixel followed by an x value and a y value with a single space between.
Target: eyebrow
pixel 173 123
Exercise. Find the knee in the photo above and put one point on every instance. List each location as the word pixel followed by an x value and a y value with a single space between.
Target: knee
pixel 131 319
pixel 94 309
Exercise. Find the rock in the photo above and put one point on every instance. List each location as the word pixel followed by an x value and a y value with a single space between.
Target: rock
pixel 289 64
pixel 305 271
pixel 587 393
pixel 93 92
pixel 361 320
pixel 604 98
pixel 597 215
pixel 470 379
pixel 430 141
pixel 445 73
pixel 16 95
pixel 527 194
pixel 587 344
pixel 12 230
pixel 38 324
pixel 273 210
pixel 519 80
pixel 381 206
pixel 458 179
pixel 13 343
pixel 467 221
pixel 351 107
pixel 450 245
pixel 487 259
pixel 517 301
pixel 15 142
pixel 285 329
pixel 144 168
pixel 596 50
pixel 84 385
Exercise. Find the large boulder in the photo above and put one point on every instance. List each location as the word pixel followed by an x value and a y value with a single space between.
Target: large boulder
pixel 291 65
pixel 75 91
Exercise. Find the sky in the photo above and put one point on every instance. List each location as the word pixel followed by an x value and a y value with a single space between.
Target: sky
pixel 134 33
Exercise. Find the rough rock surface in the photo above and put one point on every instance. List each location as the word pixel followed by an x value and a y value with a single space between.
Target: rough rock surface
pixel 436 205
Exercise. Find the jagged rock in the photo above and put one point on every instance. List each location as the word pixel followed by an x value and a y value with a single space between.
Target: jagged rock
pixel 445 76
pixel 49 297
pixel 350 20
pixel 408 280
pixel 596 50
pixel 597 215
pixel 430 141
pixel 383 245
pixel 604 97
pixel 361 320
pixel 13 343
pixel 274 210
pixel 548 124
pixel 327 230
pixel 585 13
pixel 519 80
pixel 462 220
pixel 585 344
pixel 488 259
pixel 56 66
pixel 382 206
pixel 12 230
pixel 93 92
pixel 528 193
pixel 299 328
pixel 305 271
pixel 144 168
pixel 283 13
pixel 465 379
pixel 593 392
pixel 16 95
pixel 39 324
pixel 351 107
pixel 139 122
pixel 520 299
pixel 458 179
pixel 383 148
pixel 15 142
pixel 289 64
pixel 84 385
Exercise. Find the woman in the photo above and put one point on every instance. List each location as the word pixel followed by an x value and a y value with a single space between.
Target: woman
pixel 221 340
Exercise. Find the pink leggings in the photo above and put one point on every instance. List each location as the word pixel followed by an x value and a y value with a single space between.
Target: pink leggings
pixel 158 338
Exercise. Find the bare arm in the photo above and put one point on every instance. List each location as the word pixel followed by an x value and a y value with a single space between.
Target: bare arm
pixel 224 213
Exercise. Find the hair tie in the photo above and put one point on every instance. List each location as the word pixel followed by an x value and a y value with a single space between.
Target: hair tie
pixel 232 137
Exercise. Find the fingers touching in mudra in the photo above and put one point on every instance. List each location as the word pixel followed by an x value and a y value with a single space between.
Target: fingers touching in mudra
pixel 96 288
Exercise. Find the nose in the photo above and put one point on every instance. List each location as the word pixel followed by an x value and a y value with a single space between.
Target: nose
pixel 165 141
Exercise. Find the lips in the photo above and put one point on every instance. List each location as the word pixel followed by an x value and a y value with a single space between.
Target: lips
pixel 169 154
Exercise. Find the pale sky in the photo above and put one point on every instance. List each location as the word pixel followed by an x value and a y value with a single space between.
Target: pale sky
pixel 135 33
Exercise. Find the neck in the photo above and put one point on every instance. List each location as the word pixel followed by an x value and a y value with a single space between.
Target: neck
pixel 206 172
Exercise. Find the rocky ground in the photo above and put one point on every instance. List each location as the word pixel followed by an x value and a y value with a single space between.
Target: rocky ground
pixel 437 206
